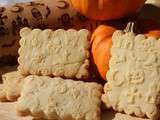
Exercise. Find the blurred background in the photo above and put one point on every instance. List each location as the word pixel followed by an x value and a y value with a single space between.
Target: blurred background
pixel 3 2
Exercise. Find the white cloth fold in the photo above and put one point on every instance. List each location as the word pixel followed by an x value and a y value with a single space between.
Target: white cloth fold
pixel 6 2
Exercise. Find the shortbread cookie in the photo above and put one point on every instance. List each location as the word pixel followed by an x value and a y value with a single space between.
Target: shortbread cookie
pixel 12 84
pixel 120 116
pixel 6 69
pixel 2 94
pixel 133 79
pixel 57 98
pixel 54 53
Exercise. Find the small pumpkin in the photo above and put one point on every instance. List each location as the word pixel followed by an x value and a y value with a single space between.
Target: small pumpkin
pixel 107 9
pixel 101 42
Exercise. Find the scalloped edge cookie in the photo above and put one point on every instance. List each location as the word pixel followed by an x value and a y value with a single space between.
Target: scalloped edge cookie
pixel 57 53
pixel 11 87
pixel 120 116
pixel 56 98
pixel 133 79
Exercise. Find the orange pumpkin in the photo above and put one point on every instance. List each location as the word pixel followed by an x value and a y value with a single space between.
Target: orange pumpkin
pixel 101 42
pixel 107 9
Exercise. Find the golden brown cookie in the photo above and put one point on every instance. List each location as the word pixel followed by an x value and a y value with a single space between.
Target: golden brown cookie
pixel 11 87
pixel 54 53
pixel 120 116
pixel 6 69
pixel 2 93
pixel 133 79
pixel 57 98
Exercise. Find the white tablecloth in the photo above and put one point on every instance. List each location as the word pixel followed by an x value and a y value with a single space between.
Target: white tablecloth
pixel 4 2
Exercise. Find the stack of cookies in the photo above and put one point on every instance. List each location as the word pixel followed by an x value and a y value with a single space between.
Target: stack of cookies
pixel 49 80
pixel 53 66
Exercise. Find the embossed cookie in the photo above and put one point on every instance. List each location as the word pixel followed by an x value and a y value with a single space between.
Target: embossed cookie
pixel 12 84
pixel 55 98
pixel 120 116
pixel 54 53
pixel 6 69
pixel 2 94
pixel 133 79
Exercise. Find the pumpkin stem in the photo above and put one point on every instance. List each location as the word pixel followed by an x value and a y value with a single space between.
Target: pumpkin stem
pixel 130 27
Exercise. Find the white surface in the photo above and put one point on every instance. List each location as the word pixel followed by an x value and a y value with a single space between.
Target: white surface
pixel 5 2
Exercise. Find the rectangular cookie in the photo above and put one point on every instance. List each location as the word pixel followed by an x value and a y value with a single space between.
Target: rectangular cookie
pixel 133 79
pixel 6 69
pixel 12 84
pixel 54 53
pixel 120 116
pixel 56 98
pixel 2 94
